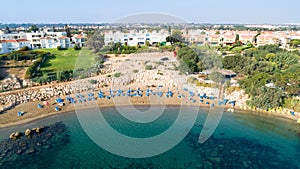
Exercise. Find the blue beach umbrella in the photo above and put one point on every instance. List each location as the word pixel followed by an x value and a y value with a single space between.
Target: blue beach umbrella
pixel 40 106
pixel 59 100
pixel 20 113
pixel 120 91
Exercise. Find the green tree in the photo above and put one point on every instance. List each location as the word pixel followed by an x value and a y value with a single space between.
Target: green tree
pixel 237 38
pixel 34 28
pixel 285 59
pixel 95 42
pixel 7 30
pixel 68 31
pixel 147 43
pixel 295 43
pixel 267 98
pixel 217 77
pixel 175 37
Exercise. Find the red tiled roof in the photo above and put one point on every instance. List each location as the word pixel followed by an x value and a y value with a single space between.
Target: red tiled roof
pixel 22 40
pixel 79 37
pixel 63 37
pixel 13 41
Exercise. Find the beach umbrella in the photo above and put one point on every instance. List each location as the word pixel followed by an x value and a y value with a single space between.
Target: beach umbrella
pixel 191 94
pixel 46 103
pixel 40 106
pixel 57 108
pixel 100 95
pixel 129 92
pixel 139 90
pixel 20 113
pixel 120 91
pixel 59 100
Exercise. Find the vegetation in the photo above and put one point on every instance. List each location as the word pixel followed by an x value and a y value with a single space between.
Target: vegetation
pixel 175 37
pixel 193 80
pixel 217 77
pixel 117 75
pixel 295 43
pixel 196 60
pixel 64 65
pixel 269 74
pixel 95 42
pixel 117 48
pixel 67 59
pixel 148 67
pixel 267 65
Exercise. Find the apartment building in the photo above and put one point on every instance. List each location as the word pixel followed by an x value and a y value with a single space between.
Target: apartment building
pixel 133 38
pixel 7 46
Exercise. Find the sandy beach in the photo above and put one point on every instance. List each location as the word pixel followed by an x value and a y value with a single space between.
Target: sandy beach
pixel 163 75
pixel 33 113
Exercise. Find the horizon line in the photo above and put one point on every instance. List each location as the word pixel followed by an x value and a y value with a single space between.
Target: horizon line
pixel 112 23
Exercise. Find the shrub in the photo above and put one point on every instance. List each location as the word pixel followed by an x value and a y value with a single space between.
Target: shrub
pixel 25 48
pixel 61 48
pixel 148 67
pixel 135 71
pixel 93 81
pixel 76 47
pixel 117 74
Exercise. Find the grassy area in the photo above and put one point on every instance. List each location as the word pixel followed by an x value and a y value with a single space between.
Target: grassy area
pixel 68 59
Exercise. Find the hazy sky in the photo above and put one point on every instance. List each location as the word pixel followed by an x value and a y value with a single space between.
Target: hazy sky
pixel 197 11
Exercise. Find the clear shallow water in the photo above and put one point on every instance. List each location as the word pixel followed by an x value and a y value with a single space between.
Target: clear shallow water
pixel 240 141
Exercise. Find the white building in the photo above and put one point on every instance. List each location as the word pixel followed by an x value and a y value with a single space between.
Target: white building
pixel 132 38
pixel 7 46
pixel 79 39
pixel 49 42
pixel 35 38
pixel 64 42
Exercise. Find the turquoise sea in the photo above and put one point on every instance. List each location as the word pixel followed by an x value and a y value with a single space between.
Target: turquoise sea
pixel 241 140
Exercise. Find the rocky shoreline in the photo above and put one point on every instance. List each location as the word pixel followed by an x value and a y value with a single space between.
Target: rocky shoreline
pixel 32 142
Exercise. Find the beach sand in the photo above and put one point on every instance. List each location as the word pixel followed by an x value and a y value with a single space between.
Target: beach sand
pixel 32 112
pixel 162 75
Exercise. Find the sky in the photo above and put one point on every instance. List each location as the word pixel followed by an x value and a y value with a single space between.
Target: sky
pixel 193 11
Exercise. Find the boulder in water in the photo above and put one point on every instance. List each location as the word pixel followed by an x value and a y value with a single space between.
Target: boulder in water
pixel 12 136
pixel 39 130
pixel 15 135
pixel 27 132
pixel 18 134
